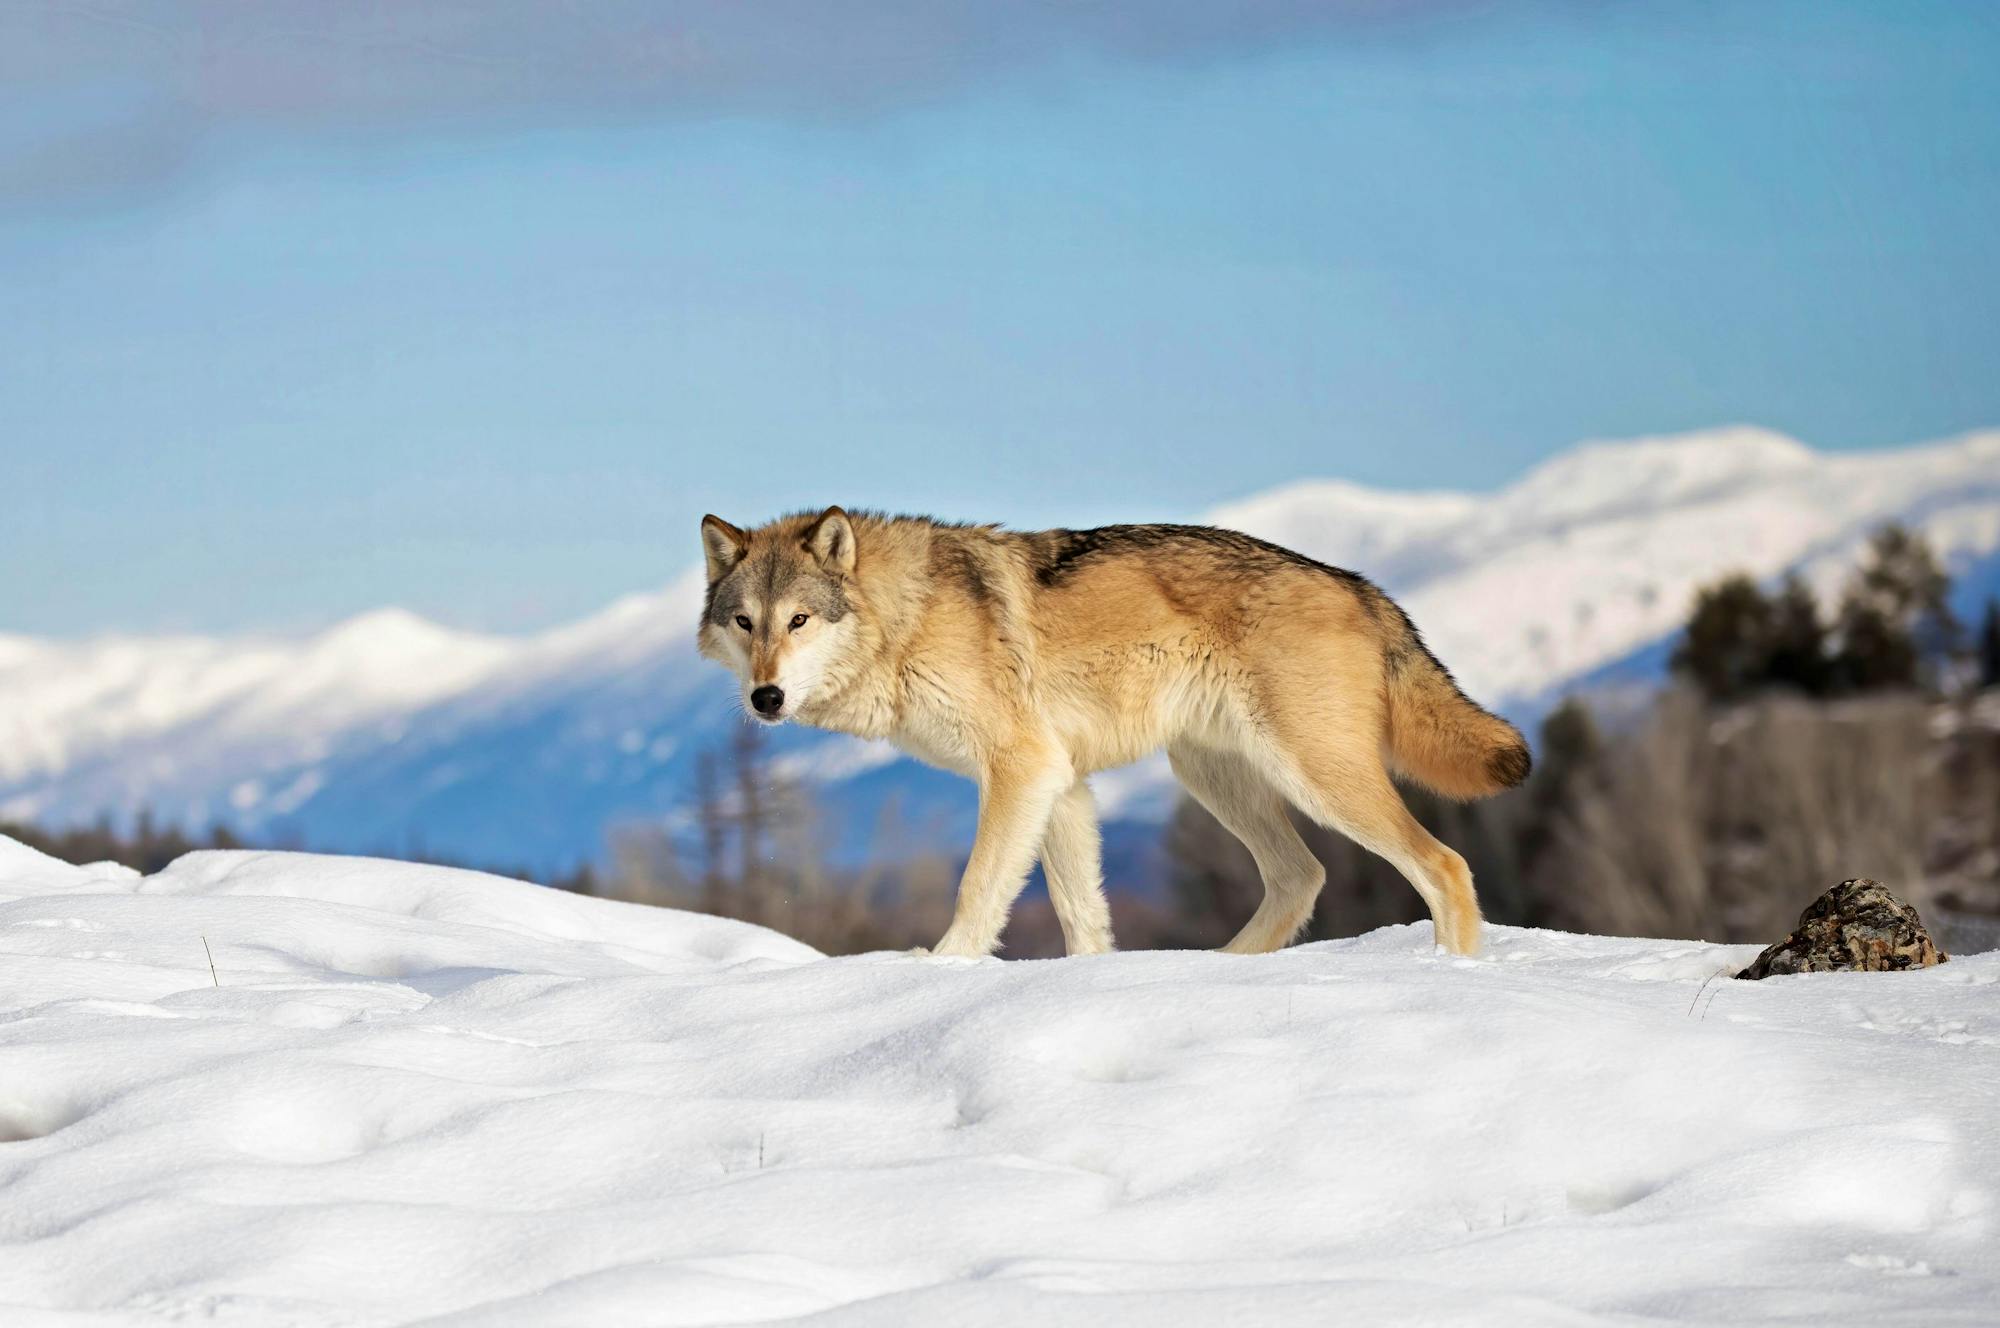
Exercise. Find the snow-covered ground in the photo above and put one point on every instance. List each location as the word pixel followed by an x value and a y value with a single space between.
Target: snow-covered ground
pixel 413 1094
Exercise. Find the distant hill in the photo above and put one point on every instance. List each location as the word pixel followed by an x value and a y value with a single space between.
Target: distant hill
pixel 388 733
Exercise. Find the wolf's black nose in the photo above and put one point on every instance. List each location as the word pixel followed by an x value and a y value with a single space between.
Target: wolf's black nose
pixel 768 700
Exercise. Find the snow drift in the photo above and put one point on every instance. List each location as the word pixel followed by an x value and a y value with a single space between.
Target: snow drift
pixel 412 1094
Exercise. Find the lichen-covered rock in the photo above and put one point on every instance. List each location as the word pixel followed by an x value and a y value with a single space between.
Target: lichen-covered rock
pixel 1858 926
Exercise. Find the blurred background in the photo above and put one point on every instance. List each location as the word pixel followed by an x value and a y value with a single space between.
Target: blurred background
pixel 366 369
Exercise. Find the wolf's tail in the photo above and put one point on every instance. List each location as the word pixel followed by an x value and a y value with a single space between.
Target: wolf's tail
pixel 1439 736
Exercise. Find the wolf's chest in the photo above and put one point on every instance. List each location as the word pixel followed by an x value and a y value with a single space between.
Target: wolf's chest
pixel 936 736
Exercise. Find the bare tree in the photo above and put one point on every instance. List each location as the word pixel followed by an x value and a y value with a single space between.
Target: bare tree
pixel 760 835
pixel 1723 824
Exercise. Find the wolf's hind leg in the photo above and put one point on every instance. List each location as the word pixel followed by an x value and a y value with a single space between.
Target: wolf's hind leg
pixel 1072 858
pixel 1336 776
pixel 1250 808
pixel 1016 797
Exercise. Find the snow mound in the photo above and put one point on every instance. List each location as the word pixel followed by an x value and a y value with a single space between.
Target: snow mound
pixel 413 1094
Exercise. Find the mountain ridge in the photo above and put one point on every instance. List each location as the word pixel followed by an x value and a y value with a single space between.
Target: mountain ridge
pixel 385 730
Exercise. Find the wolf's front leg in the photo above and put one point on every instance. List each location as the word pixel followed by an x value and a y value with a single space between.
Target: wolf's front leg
pixel 1016 795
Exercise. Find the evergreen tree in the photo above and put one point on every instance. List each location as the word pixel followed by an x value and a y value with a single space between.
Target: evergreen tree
pixel 1876 652
pixel 1570 738
pixel 1989 645
pixel 1571 744
pixel 1895 621
pixel 1726 649
pixel 1798 645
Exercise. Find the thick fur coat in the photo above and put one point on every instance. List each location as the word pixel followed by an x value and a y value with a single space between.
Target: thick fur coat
pixel 1028 660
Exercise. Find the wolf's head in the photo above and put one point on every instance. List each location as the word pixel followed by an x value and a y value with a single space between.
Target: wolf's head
pixel 780 610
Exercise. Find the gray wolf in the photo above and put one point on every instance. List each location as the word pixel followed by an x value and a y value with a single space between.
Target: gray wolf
pixel 1026 660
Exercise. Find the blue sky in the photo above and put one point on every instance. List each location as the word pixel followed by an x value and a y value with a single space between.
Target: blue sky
pixel 360 336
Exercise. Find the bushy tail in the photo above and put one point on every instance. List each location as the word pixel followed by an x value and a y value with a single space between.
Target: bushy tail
pixel 1439 737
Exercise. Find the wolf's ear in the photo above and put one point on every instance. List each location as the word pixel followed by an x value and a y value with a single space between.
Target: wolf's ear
pixel 724 544
pixel 831 541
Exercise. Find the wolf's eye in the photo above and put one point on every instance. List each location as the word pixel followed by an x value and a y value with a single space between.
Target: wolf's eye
pixel 798 621
pixel 743 622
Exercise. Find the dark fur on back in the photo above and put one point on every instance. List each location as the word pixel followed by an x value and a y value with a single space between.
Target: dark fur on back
pixel 956 559
pixel 1408 663
pixel 1059 553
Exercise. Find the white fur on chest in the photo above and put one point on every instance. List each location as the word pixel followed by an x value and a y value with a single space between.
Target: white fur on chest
pixel 924 721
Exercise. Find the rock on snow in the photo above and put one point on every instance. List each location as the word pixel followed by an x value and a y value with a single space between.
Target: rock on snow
pixel 424 1095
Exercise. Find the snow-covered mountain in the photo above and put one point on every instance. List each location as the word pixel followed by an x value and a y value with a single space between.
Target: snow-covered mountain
pixel 390 733
pixel 1593 556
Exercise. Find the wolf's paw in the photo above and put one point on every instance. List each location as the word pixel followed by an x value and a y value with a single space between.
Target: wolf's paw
pixel 948 952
